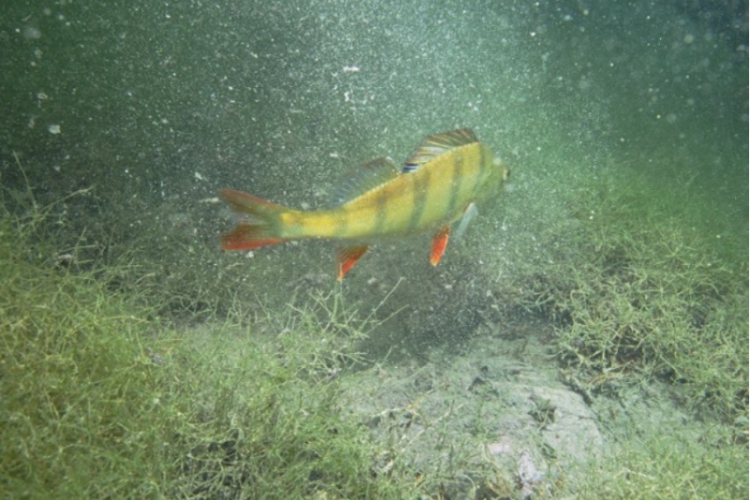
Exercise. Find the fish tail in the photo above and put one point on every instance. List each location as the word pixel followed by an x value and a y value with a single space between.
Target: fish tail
pixel 261 226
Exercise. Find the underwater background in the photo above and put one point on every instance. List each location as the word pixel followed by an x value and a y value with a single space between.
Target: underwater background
pixel 587 337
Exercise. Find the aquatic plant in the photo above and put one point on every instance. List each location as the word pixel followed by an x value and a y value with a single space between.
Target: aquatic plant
pixel 101 399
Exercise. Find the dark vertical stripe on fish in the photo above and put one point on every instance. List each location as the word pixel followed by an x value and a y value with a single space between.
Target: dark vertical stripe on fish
pixel 381 216
pixel 421 182
pixel 457 179
pixel 342 223
pixel 481 167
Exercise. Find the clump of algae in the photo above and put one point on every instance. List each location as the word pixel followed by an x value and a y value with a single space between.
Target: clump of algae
pixel 102 400
pixel 645 292
pixel 79 410
pixel 650 294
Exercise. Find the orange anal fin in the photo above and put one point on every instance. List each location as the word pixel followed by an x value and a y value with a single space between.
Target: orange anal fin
pixel 245 237
pixel 439 242
pixel 347 257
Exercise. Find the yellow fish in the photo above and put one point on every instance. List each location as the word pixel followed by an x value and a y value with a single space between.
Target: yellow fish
pixel 438 184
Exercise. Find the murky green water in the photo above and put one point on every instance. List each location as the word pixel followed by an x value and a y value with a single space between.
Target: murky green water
pixel 150 107
pixel 159 104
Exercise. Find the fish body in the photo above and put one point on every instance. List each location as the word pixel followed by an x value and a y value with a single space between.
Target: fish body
pixel 439 183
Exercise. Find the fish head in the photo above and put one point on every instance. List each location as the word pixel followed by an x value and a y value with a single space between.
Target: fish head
pixel 495 175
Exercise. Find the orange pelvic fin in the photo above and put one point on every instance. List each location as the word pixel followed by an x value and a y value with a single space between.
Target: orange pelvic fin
pixel 261 226
pixel 347 257
pixel 439 242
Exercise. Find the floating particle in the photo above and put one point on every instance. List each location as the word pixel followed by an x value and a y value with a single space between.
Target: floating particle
pixel 31 33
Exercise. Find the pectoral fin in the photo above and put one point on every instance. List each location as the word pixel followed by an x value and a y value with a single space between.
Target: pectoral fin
pixel 347 257
pixel 439 242
pixel 469 214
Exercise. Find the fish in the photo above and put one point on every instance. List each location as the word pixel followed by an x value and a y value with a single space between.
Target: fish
pixel 440 183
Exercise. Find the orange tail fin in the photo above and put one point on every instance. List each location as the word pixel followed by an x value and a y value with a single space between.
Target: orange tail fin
pixel 261 226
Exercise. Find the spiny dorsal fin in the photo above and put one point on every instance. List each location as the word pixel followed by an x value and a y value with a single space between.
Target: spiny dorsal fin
pixel 435 145
pixel 363 178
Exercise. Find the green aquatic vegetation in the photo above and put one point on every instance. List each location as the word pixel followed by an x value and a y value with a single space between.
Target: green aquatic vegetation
pixel 242 400
pixel 668 465
pixel 648 294
pixel 643 288
pixel 102 400
pixel 78 409
pixel 271 425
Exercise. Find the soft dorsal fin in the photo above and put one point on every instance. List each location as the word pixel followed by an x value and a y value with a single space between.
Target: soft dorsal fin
pixel 435 145
pixel 363 178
